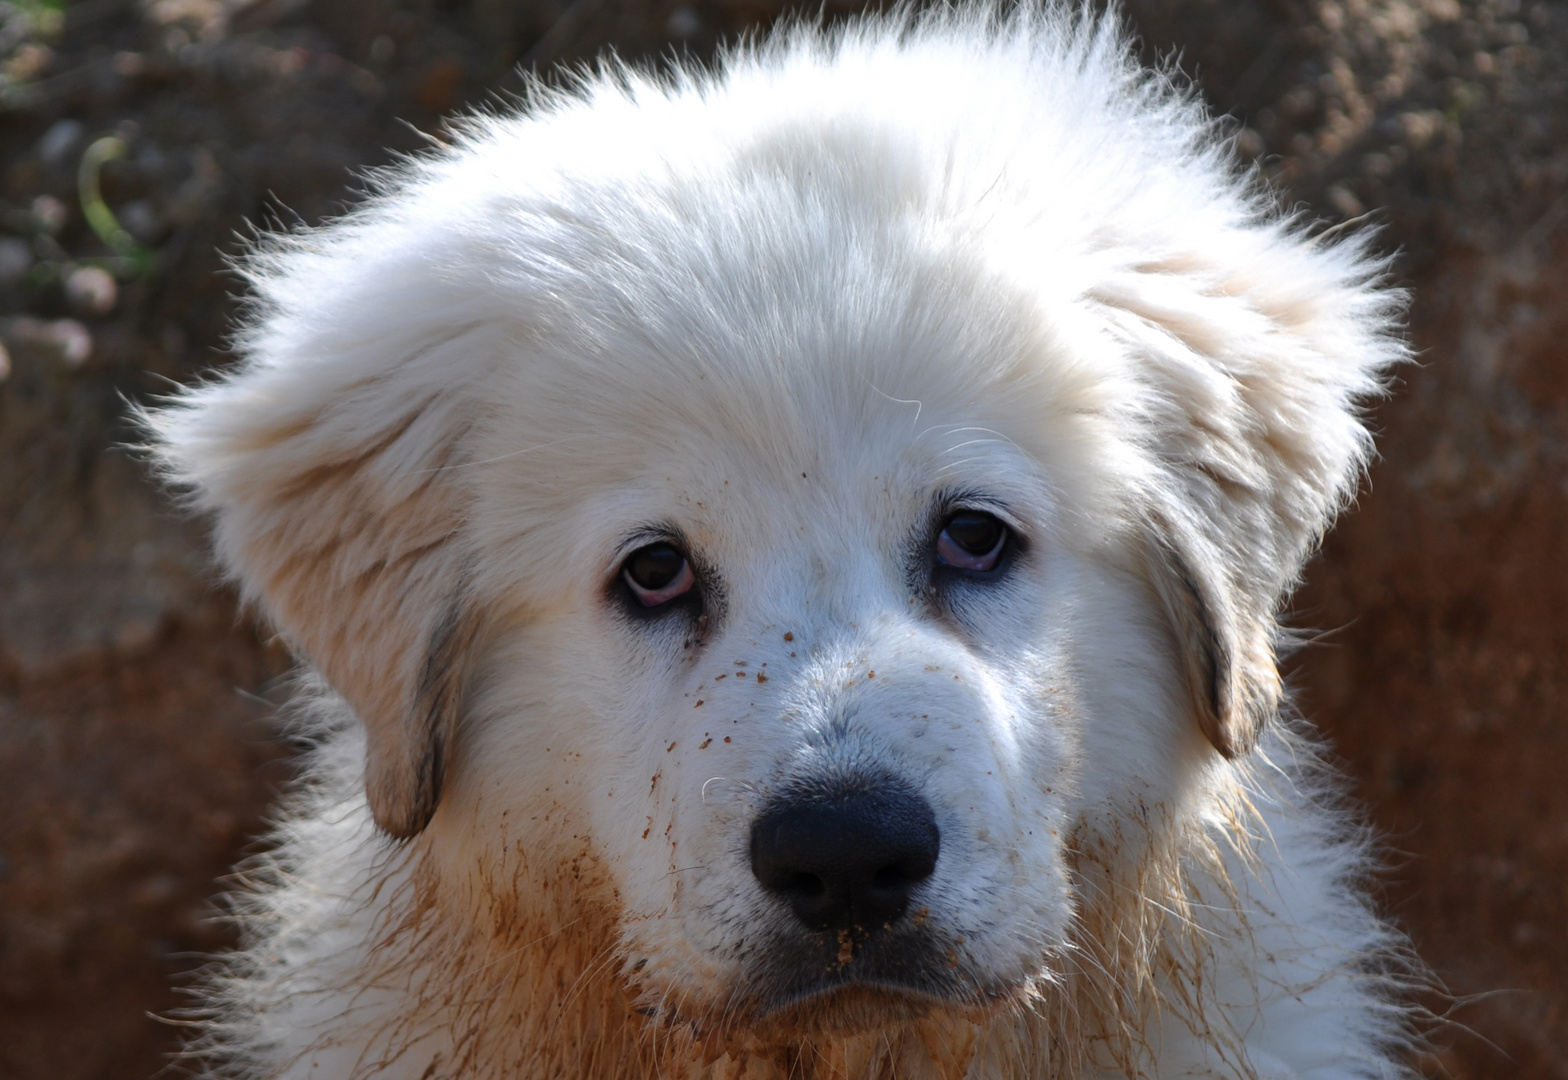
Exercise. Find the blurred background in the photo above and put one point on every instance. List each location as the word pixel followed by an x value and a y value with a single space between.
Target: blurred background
pixel 140 140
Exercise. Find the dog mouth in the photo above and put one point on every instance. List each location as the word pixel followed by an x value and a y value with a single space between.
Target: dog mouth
pixel 869 977
pixel 851 1007
pixel 846 1009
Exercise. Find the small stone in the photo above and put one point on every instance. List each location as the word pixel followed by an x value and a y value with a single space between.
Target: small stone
pixel 69 341
pixel 16 259
pixel 1419 128
pixel 73 340
pixel 1249 144
pixel 129 64
pixel 50 213
pixel 141 221
pixel 91 290
pixel 29 62
pixel 1342 199
pixel 58 142
pixel 1378 165
pixel 1300 101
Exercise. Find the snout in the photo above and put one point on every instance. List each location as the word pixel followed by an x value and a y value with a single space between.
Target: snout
pixel 846 857
pixel 889 847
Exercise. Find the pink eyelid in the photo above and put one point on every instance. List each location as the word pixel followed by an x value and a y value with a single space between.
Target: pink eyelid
pixel 953 555
pixel 654 597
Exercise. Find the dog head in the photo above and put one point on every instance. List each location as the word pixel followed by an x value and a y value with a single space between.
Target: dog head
pixel 812 496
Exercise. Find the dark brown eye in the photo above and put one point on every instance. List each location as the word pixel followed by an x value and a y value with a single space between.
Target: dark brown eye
pixel 657 574
pixel 971 540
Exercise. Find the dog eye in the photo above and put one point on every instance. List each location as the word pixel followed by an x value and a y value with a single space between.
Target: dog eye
pixel 657 574
pixel 971 540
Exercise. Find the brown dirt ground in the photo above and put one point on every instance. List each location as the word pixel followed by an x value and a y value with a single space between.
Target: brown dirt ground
pixel 136 753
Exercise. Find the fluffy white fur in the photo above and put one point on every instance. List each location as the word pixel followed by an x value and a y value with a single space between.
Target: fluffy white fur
pixel 788 315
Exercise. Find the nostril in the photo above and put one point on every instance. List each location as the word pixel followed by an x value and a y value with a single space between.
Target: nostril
pixel 900 874
pixel 844 859
pixel 806 886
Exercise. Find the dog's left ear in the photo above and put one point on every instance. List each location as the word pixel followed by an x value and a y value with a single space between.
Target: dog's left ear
pixel 1225 648
pixel 330 463
pixel 1253 358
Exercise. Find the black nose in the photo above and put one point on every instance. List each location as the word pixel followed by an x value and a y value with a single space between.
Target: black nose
pixel 848 859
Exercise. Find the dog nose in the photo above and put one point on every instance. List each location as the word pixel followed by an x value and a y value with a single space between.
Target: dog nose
pixel 846 860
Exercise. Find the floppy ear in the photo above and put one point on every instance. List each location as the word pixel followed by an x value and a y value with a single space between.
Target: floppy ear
pixel 1254 358
pixel 327 461
pixel 1226 651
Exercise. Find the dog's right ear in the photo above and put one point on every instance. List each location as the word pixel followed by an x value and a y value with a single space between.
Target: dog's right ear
pixel 327 462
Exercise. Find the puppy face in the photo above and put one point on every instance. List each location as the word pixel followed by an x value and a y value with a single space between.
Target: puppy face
pixel 819 655
pixel 807 513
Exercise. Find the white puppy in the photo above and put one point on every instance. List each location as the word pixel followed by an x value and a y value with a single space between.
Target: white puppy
pixel 791 557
